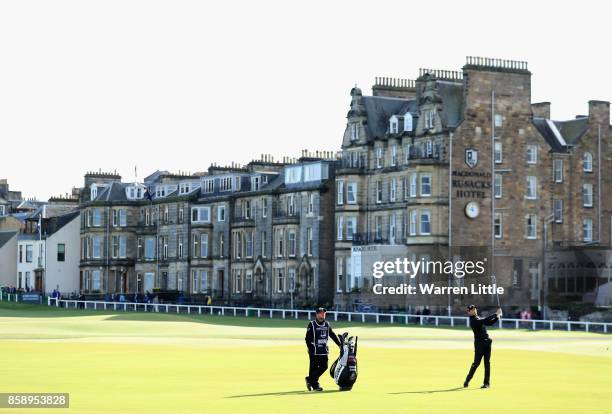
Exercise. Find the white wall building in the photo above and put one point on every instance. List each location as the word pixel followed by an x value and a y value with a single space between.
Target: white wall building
pixel 8 253
pixel 50 259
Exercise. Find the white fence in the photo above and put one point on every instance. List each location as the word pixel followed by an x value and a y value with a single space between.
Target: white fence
pixel 363 317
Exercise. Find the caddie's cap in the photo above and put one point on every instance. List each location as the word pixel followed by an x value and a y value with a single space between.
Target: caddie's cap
pixel 470 307
pixel 319 310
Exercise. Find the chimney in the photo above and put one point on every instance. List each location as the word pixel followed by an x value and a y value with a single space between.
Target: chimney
pixel 599 112
pixel 541 110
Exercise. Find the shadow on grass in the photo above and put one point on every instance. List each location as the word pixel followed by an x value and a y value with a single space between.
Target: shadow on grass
pixel 433 391
pixel 269 394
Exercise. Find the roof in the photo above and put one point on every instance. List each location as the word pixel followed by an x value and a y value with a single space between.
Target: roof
pixel 5 236
pixel 380 108
pixel 561 135
pixel 452 103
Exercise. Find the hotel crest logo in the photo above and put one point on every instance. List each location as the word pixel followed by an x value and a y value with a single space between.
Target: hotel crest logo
pixel 471 157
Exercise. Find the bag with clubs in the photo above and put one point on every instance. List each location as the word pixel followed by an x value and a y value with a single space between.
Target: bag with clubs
pixel 344 369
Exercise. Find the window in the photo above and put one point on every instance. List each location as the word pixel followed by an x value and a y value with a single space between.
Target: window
pixel 531 226
pixel 587 230
pixel 340 224
pixel 280 248
pixel 532 188
pixel 430 117
pixel 498 226
pixel 413 222
pixel 248 281
pixel 280 281
pixel 498 121
pixel 94 191
pixel 221 245
pixel 392 226
pixel 378 227
pixel 95 280
pixel 264 207
pixel 498 152
pixel 181 214
pixel 339 268
pixel 558 170
pixel 354 132
pixel 226 183
pixel 208 186
pixel 249 244
pixel 587 162
pixel 558 210
pixel 393 125
pixel 587 195
pixel 351 227
pixel 246 209
pixel 379 191
pixel 311 203
pixel 21 253
pixel 408 122
pixel 196 244
pixel 379 157
pixel 2 211
pixel 425 222
pixel 97 218
pixel 237 281
pixel 180 245
pixel 498 186
pixel 413 185
pixel 407 150
pixel 203 280
pixel 194 281
pixel 292 244
pixel 425 185
pixel 61 252
pixel 96 247
pixel 291 280
pixel 393 189
pixel 255 183
pixel 291 205
pixel 532 154
pixel 200 215
pixel 264 243
pixel 340 188
pixel 164 241
pixel 309 245
pixel 394 155
pixel 149 248
pixel 204 245
pixel 350 284
pixel 221 213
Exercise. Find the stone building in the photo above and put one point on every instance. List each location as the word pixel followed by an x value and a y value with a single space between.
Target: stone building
pixel 458 164
pixel 253 234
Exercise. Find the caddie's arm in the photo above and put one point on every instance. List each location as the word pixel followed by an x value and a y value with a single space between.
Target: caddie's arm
pixel 334 337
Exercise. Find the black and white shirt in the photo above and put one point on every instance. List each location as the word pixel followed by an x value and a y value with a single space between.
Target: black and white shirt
pixel 317 335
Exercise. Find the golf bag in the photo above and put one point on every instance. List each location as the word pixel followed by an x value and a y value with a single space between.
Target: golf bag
pixel 344 369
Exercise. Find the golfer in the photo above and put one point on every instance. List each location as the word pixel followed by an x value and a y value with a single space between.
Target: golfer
pixel 317 333
pixel 482 343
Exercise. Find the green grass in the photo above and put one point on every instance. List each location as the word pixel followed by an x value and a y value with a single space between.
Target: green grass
pixel 115 362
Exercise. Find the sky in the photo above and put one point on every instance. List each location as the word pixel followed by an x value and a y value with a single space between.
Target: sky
pixel 178 85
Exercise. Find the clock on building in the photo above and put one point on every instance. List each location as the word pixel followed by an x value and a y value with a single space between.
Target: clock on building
pixel 472 209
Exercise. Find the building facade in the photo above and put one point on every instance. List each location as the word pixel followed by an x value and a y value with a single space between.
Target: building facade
pixel 253 234
pixel 460 163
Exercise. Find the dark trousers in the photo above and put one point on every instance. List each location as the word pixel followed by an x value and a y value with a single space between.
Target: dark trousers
pixel 482 349
pixel 318 365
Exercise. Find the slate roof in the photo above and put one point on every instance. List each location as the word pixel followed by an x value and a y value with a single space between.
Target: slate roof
pixel 5 236
pixel 380 108
pixel 561 135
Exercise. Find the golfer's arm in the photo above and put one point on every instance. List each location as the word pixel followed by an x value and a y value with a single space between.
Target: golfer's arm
pixel 490 320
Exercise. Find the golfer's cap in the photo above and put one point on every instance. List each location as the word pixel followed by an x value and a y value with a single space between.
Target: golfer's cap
pixel 319 310
pixel 470 307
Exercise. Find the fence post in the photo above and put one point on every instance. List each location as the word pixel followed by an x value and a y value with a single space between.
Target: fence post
pixel 533 325
pixel 551 325
pixel 363 317
pixel 421 320
pixel 391 319
pixel 377 318
pixel 283 314
pixel 336 316
pixel 271 313
pixel 569 327
pixel 296 314
pixel 467 322
pixel 586 326
pixel 349 316
pixel 436 320
pixel 259 313
pixel 199 310
pixel 452 321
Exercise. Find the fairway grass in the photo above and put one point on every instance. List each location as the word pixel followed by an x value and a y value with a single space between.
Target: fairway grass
pixel 157 363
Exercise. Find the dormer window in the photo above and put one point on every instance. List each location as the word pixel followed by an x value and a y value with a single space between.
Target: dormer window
pixel 134 192
pixel 408 122
pixel 94 191
pixel 430 117
pixel 354 132
pixel 393 125
pixel 587 162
